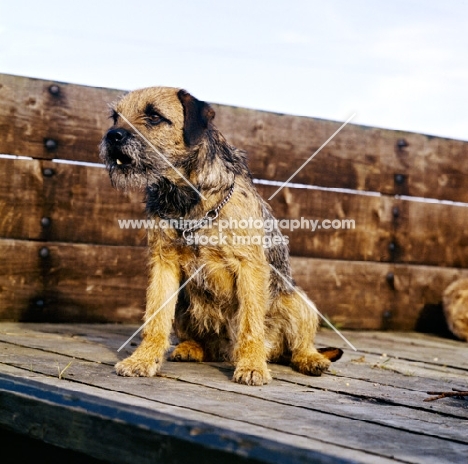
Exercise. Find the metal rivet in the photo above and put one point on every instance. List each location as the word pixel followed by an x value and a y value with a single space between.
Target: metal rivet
pixel 50 144
pixel 54 90
pixel 44 252
pixel 48 172
pixel 396 211
pixel 40 303
pixel 402 143
pixel 399 179
pixel 45 222
pixel 392 247
pixel 387 314
pixel 390 278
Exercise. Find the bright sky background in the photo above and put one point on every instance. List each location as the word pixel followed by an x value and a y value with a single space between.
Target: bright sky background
pixel 399 64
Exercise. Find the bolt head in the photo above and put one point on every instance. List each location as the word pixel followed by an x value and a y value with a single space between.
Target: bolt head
pixel 44 252
pixel 45 222
pixel 54 90
pixel 399 179
pixel 50 144
pixel 48 172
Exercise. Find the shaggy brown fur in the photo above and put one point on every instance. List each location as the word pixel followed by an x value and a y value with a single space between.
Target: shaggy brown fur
pixel 237 307
pixel 455 302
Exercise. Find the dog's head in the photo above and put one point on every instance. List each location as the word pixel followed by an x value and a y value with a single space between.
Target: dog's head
pixel 156 133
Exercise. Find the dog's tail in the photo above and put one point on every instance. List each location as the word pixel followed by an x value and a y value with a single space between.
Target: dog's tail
pixel 333 354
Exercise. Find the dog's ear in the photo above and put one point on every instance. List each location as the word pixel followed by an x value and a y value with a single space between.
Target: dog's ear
pixel 197 115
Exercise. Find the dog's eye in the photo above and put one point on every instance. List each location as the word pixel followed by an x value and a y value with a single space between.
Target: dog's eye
pixel 154 119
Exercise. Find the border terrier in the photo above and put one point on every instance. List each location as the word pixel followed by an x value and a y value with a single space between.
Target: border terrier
pixel 238 301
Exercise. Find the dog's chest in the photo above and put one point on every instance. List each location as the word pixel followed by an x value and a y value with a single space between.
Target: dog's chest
pixel 210 273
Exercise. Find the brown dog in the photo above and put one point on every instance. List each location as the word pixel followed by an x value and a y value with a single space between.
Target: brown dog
pixel 238 300
pixel 455 304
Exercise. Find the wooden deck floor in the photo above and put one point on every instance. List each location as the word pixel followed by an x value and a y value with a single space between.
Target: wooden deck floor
pixel 57 384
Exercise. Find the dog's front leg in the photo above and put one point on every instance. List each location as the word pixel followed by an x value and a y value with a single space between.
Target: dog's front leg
pixel 147 359
pixel 250 350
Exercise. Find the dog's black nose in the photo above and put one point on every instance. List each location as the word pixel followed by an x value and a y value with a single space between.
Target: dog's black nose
pixel 117 136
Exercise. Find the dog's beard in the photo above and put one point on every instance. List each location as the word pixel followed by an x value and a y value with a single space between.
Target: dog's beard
pixel 131 166
pixel 169 200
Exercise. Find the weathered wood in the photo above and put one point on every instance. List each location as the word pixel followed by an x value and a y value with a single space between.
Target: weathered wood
pixel 78 204
pixel 75 118
pixel 115 432
pixel 21 199
pixel 358 411
pixel 81 207
pixel 94 283
pixel 359 157
pixel 419 232
pixel 20 278
pixel 353 398
pixel 127 427
pixel 360 295
pixel 349 378
pixel 433 351
pixel 429 233
pixel 44 281
pixel 361 235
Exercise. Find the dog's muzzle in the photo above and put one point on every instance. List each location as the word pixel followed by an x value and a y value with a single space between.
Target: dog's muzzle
pixel 115 141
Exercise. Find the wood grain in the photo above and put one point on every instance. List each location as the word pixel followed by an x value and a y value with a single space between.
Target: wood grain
pixel 359 157
pixel 96 283
pixel 81 207
pixel 368 408
pixel 44 281
pixel 77 202
pixel 360 295
pixel 75 118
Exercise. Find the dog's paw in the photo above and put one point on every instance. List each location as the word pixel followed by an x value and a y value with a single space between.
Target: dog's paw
pixel 310 363
pixel 189 351
pixel 252 375
pixel 138 367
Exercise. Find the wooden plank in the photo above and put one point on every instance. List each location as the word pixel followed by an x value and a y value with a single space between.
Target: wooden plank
pixel 361 234
pixel 278 144
pixel 130 427
pixel 429 233
pixel 94 283
pixel 21 198
pixel 353 379
pixel 359 157
pixel 373 228
pixel 429 166
pixel 250 409
pixel 368 362
pixel 360 295
pixel 75 118
pixel 20 278
pixel 356 399
pixel 63 282
pixel 285 401
pixel 80 206
pixel 432 350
